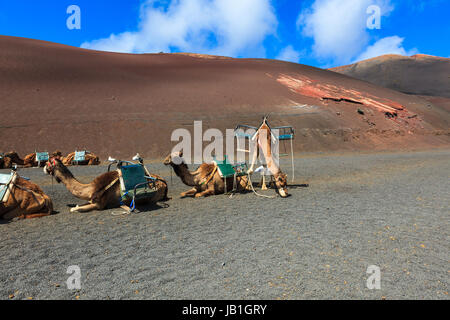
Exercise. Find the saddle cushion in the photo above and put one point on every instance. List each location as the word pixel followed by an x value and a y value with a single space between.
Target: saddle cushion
pixel 5 180
pixel 42 156
pixel 79 156
pixel 227 170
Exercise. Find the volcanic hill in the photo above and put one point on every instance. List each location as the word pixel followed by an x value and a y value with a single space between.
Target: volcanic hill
pixel 54 96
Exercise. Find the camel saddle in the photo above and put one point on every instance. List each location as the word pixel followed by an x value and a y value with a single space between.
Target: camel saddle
pixel 134 183
pixel 227 170
pixel 42 156
pixel 5 181
pixel 79 156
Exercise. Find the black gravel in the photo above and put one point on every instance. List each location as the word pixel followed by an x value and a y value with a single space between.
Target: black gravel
pixel 386 209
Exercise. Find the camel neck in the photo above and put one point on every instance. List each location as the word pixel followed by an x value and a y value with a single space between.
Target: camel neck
pixel 182 171
pixel 79 190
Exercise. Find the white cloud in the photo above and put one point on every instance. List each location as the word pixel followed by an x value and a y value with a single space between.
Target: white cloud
pixel 289 54
pixel 388 45
pixel 339 27
pixel 223 27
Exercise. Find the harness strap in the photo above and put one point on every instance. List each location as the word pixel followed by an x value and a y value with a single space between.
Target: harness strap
pixel 27 190
pixel 209 178
pixel 111 184
pixel 259 195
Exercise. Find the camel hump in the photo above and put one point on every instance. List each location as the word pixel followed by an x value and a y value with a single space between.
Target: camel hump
pixel 105 179
pixel 206 169
pixel 29 185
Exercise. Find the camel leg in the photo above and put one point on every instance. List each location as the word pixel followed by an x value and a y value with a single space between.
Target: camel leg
pixel 16 212
pixel 263 182
pixel 207 192
pixel 34 215
pixel 29 212
pixel 86 208
pixel 191 192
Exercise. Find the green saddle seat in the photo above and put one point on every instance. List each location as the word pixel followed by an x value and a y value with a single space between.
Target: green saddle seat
pixel 227 170
pixel 134 183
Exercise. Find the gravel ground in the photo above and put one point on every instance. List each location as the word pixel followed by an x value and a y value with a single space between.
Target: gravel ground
pixel 384 209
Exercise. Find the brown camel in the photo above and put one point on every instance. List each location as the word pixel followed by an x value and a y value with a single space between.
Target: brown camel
pixel 25 201
pixel 263 138
pixel 102 193
pixel 8 159
pixel 30 160
pixel 91 159
pixel 206 180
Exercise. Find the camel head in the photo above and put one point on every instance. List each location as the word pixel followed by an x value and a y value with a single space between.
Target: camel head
pixel 281 184
pixel 57 154
pixel 53 165
pixel 12 155
pixel 175 158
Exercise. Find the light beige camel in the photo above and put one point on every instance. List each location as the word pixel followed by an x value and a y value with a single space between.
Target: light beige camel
pixel 102 193
pixel 25 201
pixel 8 159
pixel 90 159
pixel 206 180
pixel 263 138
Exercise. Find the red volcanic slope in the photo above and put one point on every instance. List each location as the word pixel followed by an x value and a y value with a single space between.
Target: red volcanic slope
pixel 59 97
pixel 419 74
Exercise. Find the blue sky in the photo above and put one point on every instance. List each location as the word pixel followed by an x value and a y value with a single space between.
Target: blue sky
pixel 321 33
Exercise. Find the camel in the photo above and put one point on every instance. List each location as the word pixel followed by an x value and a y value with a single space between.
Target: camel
pixel 102 193
pixel 30 160
pixel 25 201
pixel 91 159
pixel 206 180
pixel 263 138
pixel 8 159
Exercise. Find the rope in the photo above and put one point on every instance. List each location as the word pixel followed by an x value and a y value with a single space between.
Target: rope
pixel 259 195
pixel 27 190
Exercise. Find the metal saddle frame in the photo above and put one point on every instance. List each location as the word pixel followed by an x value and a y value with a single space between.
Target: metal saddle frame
pixel 5 180
pixel 285 133
pixel 135 182
pixel 228 170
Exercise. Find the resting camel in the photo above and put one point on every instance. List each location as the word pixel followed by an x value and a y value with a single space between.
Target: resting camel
pixel 91 159
pixel 102 193
pixel 263 138
pixel 26 201
pixel 30 160
pixel 8 159
pixel 206 180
